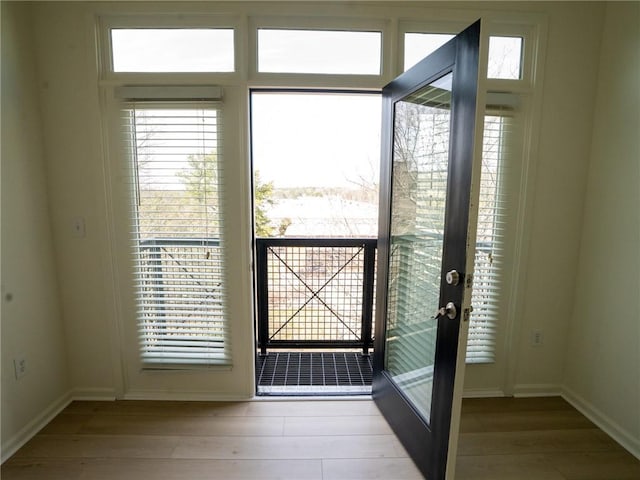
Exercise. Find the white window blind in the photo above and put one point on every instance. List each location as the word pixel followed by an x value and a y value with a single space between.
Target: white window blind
pixel 177 236
pixel 487 291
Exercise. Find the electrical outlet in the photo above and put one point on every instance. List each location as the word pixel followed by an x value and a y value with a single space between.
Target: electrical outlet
pixel 20 366
pixel 536 338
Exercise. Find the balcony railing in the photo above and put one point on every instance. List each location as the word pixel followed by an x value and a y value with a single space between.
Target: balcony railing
pixel 311 292
pixel 185 269
pixel 315 292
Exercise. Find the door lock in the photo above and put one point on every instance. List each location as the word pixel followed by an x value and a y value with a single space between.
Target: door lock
pixel 453 277
pixel 450 311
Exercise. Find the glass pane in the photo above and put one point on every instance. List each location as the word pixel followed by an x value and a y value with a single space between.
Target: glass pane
pixel 419 45
pixel 316 159
pixel 420 167
pixel 505 58
pixel 319 51
pixel 172 50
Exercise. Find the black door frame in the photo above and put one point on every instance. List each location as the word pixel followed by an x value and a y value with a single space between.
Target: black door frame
pixel 426 443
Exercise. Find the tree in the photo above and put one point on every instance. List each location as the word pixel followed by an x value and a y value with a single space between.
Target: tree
pixel 284 224
pixel 367 183
pixel 263 198
pixel 201 178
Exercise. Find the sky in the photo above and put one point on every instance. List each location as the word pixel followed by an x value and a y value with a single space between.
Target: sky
pixel 316 140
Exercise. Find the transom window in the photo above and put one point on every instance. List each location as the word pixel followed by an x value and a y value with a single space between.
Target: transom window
pixel 172 50
pixel 505 58
pixel 419 45
pixel 505 53
pixel 319 51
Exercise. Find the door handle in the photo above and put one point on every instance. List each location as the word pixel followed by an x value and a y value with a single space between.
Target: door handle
pixel 450 311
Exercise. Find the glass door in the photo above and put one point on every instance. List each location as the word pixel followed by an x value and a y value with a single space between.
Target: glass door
pixel 418 199
pixel 428 145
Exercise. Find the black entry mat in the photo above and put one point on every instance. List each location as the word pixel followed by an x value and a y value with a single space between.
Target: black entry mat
pixel 318 372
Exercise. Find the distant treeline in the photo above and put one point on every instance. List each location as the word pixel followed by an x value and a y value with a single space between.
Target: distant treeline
pixel 354 194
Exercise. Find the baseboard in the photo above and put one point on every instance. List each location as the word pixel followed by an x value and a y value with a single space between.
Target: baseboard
pixel 536 390
pixel 27 432
pixel 482 393
pixel 185 396
pixel 603 421
pixel 97 394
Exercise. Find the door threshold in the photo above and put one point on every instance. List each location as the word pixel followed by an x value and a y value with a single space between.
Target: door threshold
pixel 313 391
pixel 334 373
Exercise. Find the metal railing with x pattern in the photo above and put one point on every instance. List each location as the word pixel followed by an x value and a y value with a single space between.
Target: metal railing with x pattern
pixel 315 292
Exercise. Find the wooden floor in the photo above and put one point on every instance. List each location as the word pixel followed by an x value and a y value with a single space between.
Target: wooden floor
pixel 536 438
pixel 310 439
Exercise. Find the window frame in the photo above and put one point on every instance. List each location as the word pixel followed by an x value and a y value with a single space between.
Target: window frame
pixel 108 23
pixel 416 26
pixel 161 98
pixel 490 29
pixel 245 18
pixel 264 38
pixel 509 167
pixel 311 80
pixel 526 82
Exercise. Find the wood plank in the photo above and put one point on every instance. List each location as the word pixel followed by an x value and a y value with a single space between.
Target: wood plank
pixel 179 425
pixel 512 404
pixel 313 408
pixel 506 467
pixel 618 465
pixel 17 468
pixel 161 469
pixel 65 423
pixel 370 469
pixel 470 423
pixel 357 425
pixel 547 441
pixel 84 446
pixel 166 408
pixel 520 421
pixel 302 447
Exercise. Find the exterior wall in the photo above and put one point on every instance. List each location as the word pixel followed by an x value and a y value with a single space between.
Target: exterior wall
pixel 32 325
pixel 603 356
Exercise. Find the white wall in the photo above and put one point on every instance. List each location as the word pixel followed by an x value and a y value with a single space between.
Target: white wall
pixel 73 149
pixel 603 354
pixel 570 73
pixel 558 172
pixel 31 319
